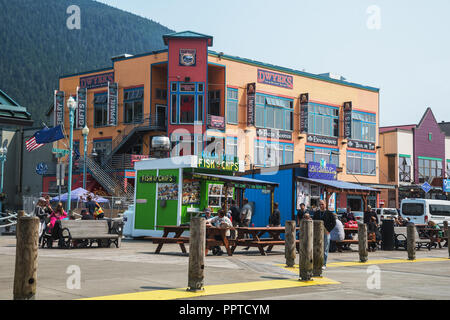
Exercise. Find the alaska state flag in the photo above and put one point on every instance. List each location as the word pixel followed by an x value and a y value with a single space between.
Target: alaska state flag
pixel 48 135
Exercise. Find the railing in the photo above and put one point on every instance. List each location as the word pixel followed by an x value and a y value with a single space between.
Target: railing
pixel 9 219
pixel 102 177
pixel 147 123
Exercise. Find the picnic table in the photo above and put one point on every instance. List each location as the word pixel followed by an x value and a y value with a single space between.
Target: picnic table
pixel 252 237
pixel 211 240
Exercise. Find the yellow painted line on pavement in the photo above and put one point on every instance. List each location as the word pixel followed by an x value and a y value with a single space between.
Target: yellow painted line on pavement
pixel 181 293
pixel 369 262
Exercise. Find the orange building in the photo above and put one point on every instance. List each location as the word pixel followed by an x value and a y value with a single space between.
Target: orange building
pixel 210 103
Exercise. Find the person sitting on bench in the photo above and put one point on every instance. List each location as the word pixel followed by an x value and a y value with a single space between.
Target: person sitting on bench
pixel 54 226
pixel 220 221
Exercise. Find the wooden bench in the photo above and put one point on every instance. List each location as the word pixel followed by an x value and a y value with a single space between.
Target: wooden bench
pixel 400 234
pixel 83 233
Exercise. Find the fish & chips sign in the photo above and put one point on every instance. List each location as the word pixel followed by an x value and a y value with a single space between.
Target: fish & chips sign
pixel 219 164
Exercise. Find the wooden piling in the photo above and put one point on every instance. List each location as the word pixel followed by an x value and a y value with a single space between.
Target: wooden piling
pixel 318 250
pixel 20 214
pixel 447 233
pixel 197 240
pixel 289 247
pixel 25 275
pixel 411 241
pixel 306 250
pixel 362 242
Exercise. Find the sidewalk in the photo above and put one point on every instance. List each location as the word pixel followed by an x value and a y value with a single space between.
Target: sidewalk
pixel 134 268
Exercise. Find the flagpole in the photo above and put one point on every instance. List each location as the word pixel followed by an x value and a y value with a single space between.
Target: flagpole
pixel 72 106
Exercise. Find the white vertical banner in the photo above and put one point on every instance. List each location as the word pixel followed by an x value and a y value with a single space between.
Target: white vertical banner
pixel 112 103
pixel 332 202
pixel 81 107
pixel 58 111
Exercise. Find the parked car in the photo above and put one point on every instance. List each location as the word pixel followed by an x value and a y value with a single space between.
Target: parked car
pixel 386 213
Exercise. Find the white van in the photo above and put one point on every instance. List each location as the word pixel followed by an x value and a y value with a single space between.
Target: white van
pixel 386 213
pixel 420 211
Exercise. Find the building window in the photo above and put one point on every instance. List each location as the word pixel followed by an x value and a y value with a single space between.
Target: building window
pixel 102 147
pixel 186 103
pixel 100 110
pixel 404 168
pixel 429 169
pixel 186 145
pixel 361 163
pixel 215 147
pixel 232 106
pixel 323 120
pixel 231 149
pixel 273 112
pixel 133 100
pixel 214 102
pixel 363 126
pixel 430 136
pixel 268 153
pixel 331 156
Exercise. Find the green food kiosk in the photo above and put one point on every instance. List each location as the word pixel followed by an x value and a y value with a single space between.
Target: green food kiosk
pixel 203 183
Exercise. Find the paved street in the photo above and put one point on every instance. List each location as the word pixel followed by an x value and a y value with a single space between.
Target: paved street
pixel 134 268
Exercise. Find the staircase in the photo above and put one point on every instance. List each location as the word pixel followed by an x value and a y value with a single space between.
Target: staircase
pixel 111 182
pixel 131 132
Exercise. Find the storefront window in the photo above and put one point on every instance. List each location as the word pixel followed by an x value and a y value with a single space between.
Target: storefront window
pixel 331 156
pixel 363 126
pixel 133 105
pixel 429 169
pixel 361 163
pixel 100 110
pixel 232 105
pixel 404 167
pixel 323 120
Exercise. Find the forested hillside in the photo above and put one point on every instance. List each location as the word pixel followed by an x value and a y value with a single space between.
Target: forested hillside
pixel 36 46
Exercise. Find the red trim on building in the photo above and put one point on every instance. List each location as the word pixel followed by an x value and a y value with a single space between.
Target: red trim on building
pixel 321 146
pixel 361 150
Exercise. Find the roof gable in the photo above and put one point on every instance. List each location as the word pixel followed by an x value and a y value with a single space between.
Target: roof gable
pixel 187 35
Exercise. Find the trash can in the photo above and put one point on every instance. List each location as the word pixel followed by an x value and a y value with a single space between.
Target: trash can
pixel 387 234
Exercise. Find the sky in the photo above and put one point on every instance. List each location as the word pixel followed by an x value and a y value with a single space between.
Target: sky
pixel 401 47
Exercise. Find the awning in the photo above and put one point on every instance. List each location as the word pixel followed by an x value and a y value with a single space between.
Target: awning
pixel 235 181
pixel 340 186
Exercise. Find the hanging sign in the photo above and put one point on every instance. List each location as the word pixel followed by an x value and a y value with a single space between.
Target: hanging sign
pixel 304 99
pixel 348 120
pixel 81 109
pixel 273 134
pixel 112 103
pixel 251 93
pixel 58 108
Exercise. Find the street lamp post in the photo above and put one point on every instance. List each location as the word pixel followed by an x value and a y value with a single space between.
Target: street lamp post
pixel 85 133
pixel 3 160
pixel 72 107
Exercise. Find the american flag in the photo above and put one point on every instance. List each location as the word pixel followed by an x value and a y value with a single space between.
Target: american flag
pixel 32 145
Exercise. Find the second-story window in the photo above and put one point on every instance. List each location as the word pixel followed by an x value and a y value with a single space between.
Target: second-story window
pixel 232 106
pixel 274 112
pixel 133 105
pixel 214 102
pixel 100 110
pixel 363 126
pixel 404 167
pixel 323 120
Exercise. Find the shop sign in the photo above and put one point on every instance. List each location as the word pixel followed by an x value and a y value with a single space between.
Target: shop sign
pixel 96 81
pixel 41 168
pixel 187 57
pixel 275 79
pixel 81 109
pixel 304 99
pixel 138 157
pixel 361 145
pixel 112 103
pixel 159 179
pixel 251 92
pixel 322 170
pixel 216 122
pixel 446 185
pixel 59 108
pixel 322 140
pixel 273 134
pixel 224 164
pixel 347 120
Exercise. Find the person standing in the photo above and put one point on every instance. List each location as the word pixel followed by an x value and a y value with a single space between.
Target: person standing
pixel 93 207
pixel 337 234
pixel 41 212
pixel 369 214
pixel 329 222
pixel 235 217
pixel 275 217
pixel 246 214
pixel 301 213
